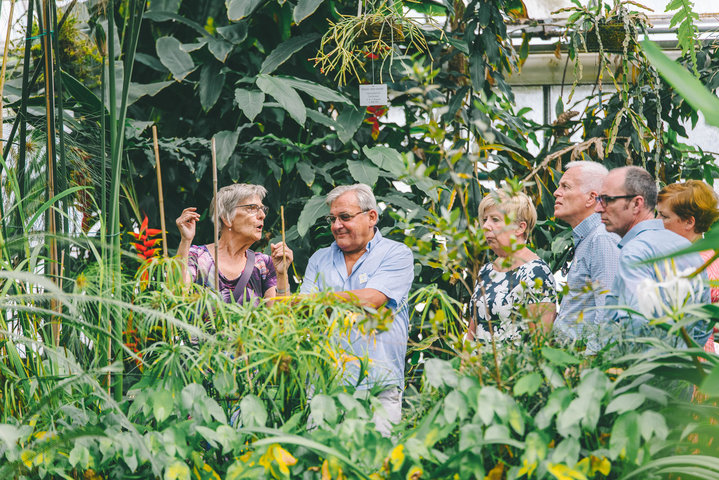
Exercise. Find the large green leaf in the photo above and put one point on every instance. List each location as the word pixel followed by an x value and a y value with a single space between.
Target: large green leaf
pixel 235 33
pixel 225 143
pixel 559 357
pixel 84 96
pixel 363 172
pixel 307 172
pixel 212 80
pixel 710 385
pixel 219 48
pixel 171 54
pixel 686 84
pixel 284 51
pixel 285 95
pixel 314 209
pixel 138 90
pixel 239 9
pixel 386 158
pixel 250 102
pixel 348 121
pixel 304 9
pixel 317 91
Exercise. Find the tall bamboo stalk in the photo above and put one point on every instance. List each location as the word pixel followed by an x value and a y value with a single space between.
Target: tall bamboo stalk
pixel 159 190
pixel 2 71
pixel 47 46
pixel 216 219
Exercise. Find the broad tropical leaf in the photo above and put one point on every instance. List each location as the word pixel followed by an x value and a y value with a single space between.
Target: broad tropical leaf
pixel 250 102
pixel 285 95
pixel 284 51
pixel 171 54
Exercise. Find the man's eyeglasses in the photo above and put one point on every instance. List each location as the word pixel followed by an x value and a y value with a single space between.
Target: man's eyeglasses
pixel 605 200
pixel 344 217
pixel 254 209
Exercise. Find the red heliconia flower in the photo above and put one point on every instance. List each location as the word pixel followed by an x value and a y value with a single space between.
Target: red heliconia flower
pixel 374 112
pixel 144 244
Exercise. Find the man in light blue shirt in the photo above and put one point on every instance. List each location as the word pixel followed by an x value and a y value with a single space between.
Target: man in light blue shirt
pixel 596 255
pixel 626 205
pixel 361 264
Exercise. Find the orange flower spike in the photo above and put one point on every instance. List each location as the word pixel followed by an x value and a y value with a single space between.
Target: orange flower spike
pixel 153 231
pixel 149 253
pixel 143 227
pixel 151 243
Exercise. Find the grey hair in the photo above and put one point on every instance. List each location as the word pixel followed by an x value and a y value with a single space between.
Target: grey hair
pixel 232 195
pixel 592 174
pixel 365 197
pixel 640 182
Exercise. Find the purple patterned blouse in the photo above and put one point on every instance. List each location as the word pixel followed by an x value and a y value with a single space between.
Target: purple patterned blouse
pixel 201 266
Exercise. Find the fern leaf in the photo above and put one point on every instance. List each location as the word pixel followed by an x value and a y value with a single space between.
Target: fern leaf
pixel 687 33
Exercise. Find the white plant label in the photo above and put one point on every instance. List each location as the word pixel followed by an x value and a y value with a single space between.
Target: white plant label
pixel 374 94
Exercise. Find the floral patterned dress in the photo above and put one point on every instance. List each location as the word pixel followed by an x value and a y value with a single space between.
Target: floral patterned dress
pixel 201 267
pixel 498 297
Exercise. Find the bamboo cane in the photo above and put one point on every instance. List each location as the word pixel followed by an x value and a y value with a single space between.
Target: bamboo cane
pixel 282 216
pixel 2 73
pixel 217 226
pixel 159 191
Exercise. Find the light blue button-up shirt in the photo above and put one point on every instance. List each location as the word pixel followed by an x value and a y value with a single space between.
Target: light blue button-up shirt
pixel 594 266
pixel 645 240
pixel 386 266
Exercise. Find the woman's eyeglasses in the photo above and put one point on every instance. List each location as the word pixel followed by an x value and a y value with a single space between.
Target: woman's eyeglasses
pixel 254 209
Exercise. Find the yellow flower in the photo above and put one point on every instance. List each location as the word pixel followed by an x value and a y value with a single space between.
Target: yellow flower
pixel 282 457
pixel 415 473
pixel 527 469
pixel 397 457
pixel 563 472
pixel 177 471
pixel 601 465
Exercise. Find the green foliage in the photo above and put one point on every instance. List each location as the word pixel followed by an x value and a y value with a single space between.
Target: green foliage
pixel 687 33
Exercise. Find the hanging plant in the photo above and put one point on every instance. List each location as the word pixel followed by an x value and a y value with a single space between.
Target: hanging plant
pixel 373 35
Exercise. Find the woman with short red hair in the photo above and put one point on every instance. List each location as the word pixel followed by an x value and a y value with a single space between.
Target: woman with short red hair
pixel 689 209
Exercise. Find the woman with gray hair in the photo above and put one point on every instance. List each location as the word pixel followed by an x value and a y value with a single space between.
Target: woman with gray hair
pixel 243 275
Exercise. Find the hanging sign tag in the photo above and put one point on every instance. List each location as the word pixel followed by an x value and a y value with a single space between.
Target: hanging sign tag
pixel 375 94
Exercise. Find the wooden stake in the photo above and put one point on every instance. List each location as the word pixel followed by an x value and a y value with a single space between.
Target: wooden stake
pixel 217 225
pixel 159 190
pixel 282 216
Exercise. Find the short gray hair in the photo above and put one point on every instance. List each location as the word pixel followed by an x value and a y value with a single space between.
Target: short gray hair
pixel 640 182
pixel 365 197
pixel 592 174
pixel 232 195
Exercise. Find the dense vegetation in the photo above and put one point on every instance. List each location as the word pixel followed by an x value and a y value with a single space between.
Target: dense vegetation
pixel 112 368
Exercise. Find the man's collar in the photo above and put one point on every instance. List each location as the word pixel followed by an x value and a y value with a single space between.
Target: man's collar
pixel 640 227
pixel 374 240
pixel 585 227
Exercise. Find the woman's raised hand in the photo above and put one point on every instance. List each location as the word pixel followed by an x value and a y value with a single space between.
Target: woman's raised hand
pixel 186 223
pixel 277 256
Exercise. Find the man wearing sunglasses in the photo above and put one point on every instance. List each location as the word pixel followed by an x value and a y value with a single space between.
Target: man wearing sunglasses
pixel 361 265
pixel 626 205
pixel 595 259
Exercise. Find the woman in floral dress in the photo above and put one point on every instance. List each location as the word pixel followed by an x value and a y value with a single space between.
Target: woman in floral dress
pixel 516 290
